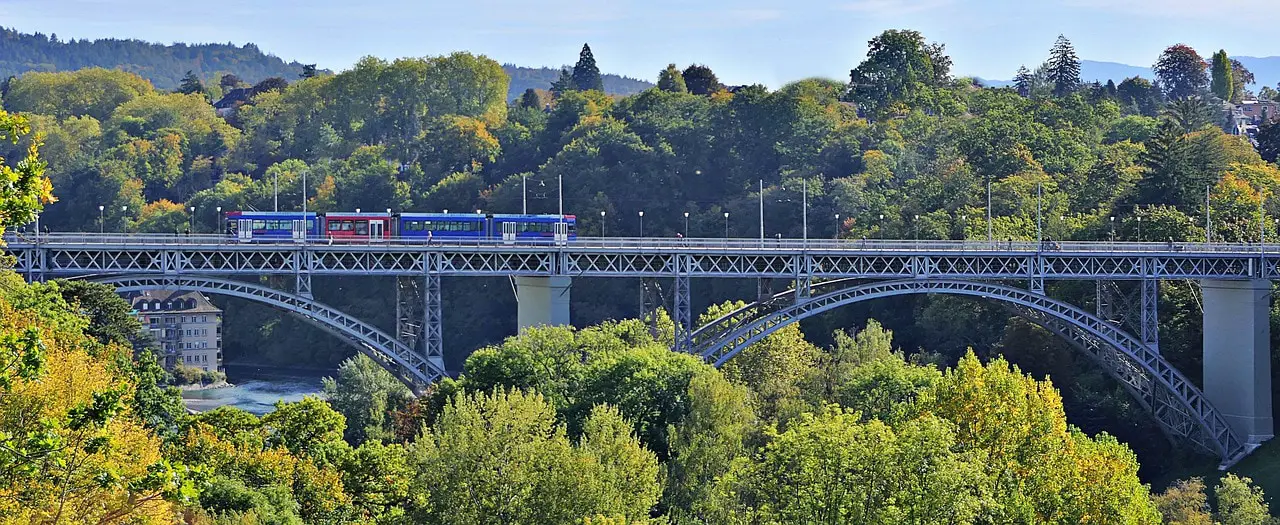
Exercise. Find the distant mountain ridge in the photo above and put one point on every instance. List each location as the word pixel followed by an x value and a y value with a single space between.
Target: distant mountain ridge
pixel 523 78
pixel 1266 72
pixel 165 64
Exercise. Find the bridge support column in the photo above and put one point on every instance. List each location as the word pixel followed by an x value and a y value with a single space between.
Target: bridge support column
pixel 1150 314
pixel 1237 355
pixel 433 319
pixel 682 314
pixel 543 301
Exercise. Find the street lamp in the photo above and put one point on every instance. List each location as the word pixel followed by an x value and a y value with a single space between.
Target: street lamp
pixel 601 223
pixel 881 224
pixel 726 225
pixel 1113 228
pixel 964 225
pixel 123 219
pixel 837 234
pixel 686 224
pixel 1139 229
pixel 642 224
pixel 219 223
pixel 192 217
pixel 915 226
pixel 102 224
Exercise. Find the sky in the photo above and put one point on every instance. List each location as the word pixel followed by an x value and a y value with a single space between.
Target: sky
pixel 770 42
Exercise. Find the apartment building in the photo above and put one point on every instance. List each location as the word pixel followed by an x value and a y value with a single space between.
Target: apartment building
pixel 187 327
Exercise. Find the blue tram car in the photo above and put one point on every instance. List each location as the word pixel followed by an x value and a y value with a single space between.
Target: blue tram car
pixel 510 228
pixel 272 226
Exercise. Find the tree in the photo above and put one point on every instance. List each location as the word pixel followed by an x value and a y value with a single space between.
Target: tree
pixel 1184 503
pixel 1181 72
pixel 670 79
pixel 191 85
pixel 270 84
pixel 1241 79
pixel 1192 113
pixel 1064 67
pixel 563 83
pixel 1268 93
pixel 700 79
pixel 91 91
pixel 1024 81
pixel 705 443
pixel 1269 141
pixel 530 99
pixel 229 81
pixel 69 449
pixel 1140 96
pixel 366 395
pixel 308 71
pixel 1240 503
pixel 834 468
pixel 303 427
pixel 898 68
pixel 503 458
pixel 24 188
pixel 1223 83
pixel 586 76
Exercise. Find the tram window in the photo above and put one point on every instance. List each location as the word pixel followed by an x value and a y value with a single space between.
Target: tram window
pixel 413 226
pixel 335 226
pixel 311 224
pixel 362 227
pixel 347 226
pixel 259 225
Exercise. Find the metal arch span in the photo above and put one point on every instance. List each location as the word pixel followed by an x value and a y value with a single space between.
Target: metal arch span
pixel 1179 406
pixel 410 367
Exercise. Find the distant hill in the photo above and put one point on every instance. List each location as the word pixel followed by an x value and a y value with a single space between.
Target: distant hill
pixel 523 78
pixel 163 65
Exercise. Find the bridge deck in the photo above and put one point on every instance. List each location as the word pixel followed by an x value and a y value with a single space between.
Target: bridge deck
pixel 70 254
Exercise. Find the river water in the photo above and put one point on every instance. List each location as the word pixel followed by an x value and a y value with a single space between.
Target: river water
pixel 258 395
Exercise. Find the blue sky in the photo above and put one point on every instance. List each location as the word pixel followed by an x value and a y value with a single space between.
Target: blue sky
pixel 744 41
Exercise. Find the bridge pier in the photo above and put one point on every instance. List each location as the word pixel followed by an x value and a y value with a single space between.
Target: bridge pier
pixel 1237 355
pixel 542 301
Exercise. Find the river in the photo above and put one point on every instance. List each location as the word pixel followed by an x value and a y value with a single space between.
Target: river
pixel 257 395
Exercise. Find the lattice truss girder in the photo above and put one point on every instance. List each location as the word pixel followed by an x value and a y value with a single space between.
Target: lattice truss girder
pixel 1177 404
pixel 88 258
pixel 410 366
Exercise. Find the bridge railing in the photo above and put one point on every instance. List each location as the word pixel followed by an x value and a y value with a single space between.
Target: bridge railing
pixel 150 240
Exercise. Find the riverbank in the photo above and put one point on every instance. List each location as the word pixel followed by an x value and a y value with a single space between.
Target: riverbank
pixel 256 389
pixel 210 386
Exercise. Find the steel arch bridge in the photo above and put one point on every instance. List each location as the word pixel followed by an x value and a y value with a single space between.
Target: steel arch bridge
pixel 1235 278
pixel 1178 405
pixel 412 368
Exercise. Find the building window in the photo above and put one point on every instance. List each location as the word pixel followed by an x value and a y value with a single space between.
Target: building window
pixel 154 320
pixel 169 320
pixel 204 358
pixel 144 305
pixel 204 318
pixel 184 318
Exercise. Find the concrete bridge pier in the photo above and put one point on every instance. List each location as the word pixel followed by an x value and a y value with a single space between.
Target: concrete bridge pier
pixel 1237 355
pixel 542 301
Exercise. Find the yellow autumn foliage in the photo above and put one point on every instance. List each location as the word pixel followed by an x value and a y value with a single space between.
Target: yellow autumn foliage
pixel 85 478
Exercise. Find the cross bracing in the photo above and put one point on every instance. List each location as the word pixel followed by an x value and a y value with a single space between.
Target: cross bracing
pixel 63 255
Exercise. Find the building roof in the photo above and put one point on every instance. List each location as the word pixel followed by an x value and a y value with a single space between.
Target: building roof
pixel 170 301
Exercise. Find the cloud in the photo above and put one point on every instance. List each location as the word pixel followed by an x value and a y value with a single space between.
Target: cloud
pixel 886 8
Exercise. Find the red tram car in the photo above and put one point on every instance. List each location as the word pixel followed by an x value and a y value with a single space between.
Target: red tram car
pixel 358 227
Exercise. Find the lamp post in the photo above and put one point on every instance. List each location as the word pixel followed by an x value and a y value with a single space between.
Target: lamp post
pixel 102 221
pixel 686 224
pixel 191 217
pixel 726 225
pixel 219 223
pixel 1139 228
pixel 275 192
pixel 804 209
pixel 989 237
pixel 726 215
pixel 641 224
pixel 915 226
pixel 964 222
pixel 524 194
pixel 881 225
pixel 602 223
pixel 123 219
pixel 837 234
pixel 1113 228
